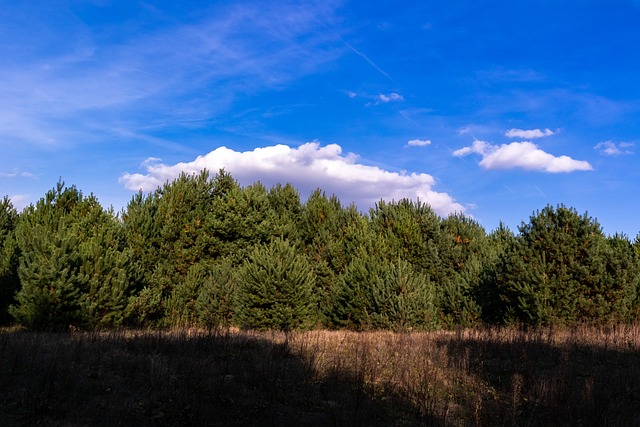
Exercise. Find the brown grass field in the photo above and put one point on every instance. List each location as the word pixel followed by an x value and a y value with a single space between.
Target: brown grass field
pixel 489 376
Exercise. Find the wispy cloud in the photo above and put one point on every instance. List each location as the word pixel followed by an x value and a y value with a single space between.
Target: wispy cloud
pixel 392 97
pixel 419 142
pixel 528 134
pixel 189 70
pixel 308 167
pixel 548 104
pixel 16 173
pixel 502 75
pixel 610 148
pixel 523 155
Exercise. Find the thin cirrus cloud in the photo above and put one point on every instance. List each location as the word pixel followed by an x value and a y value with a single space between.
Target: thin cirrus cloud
pixel 16 174
pixel 307 167
pixel 610 148
pixel 83 89
pixel 528 134
pixel 523 155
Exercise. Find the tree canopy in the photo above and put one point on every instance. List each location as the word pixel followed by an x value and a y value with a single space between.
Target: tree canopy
pixel 203 250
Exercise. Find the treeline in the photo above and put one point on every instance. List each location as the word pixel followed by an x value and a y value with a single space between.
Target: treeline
pixel 204 251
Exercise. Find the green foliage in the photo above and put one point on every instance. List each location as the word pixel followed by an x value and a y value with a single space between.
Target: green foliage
pixel 375 293
pixel 615 296
pixel 216 298
pixel 490 294
pixel 239 219
pixel 412 230
pixel 563 270
pixel 275 287
pixel 449 252
pixel 9 257
pixel 464 248
pixel 205 297
pixel 74 264
pixel 202 250
pixel 284 204
pixel 169 233
pixel 330 236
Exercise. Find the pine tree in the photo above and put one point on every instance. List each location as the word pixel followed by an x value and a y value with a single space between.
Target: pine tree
pixel 376 293
pixel 240 219
pixel 464 249
pixel 215 305
pixel 169 233
pixel 284 203
pixel 490 292
pixel 9 257
pixel 275 287
pixel 323 222
pixel 563 270
pixel 73 266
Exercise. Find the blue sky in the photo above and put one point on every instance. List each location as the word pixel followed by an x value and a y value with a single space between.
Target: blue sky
pixel 492 108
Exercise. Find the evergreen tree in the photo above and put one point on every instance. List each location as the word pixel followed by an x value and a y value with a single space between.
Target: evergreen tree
pixel 215 305
pixel 489 294
pixel 204 297
pixel 73 266
pixel 465 257
pixel 376 293
pixel 286 212
pixel 169 233
pixel 240 219
pixel 144 240
pixel 449 252
pixel 323 222
pixel 9 257
pixel 563 270
pixel 612 297
pixel 275 287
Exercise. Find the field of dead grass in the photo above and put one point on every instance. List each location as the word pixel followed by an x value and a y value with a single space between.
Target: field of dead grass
pixel 488 376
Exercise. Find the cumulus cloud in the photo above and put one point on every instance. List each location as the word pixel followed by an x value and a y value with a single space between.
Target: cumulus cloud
pixel 390 97
pixel 20 201
pixel 307 167
pixel 610 148
pixel 528 134
pixel 419 142
pixel 524 155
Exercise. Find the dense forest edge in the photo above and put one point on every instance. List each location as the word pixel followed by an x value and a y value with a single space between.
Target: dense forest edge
pixel 204 251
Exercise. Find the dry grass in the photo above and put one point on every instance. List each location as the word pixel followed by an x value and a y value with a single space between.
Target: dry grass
pixel 490 376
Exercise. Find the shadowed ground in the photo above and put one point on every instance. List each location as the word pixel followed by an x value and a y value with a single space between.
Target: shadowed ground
pixel 584 376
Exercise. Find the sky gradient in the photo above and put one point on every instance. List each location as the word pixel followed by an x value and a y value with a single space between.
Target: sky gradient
pixel 494 108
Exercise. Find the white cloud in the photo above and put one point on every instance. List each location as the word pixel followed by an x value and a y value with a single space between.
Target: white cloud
pixel 16 173
pixel 524 155
pixel 419 142
pixel 528 134
pixel 307 167
pixel 609 148
pixel 20 201
pixel 390 97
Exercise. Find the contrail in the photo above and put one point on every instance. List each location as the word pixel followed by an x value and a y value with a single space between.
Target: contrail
pixel 366 58
pixel 509 188
pixel 540 191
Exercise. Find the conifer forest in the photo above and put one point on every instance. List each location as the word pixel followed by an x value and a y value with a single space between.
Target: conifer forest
pixel 203 251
